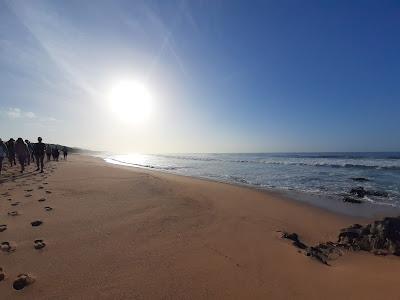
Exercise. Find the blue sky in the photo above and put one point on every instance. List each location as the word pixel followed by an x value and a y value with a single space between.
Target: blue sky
pixel 225 76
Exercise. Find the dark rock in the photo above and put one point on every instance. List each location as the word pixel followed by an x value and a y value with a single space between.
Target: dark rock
pixel 360 179
pixel 379 237
pixel 359 191
pixel 295 238
pixel 352 200
pixel 377 193
pixel 324 252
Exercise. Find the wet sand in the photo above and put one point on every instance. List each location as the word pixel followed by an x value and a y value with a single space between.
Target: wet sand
pixel 125 233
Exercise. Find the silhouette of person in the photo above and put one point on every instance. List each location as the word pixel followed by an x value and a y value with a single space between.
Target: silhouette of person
pixel 21 150
pixel 29 146
pixel 3 153
pixel 11 151
pixel 40 150
pixel 55 153
pixel 65 152
pixel 48 152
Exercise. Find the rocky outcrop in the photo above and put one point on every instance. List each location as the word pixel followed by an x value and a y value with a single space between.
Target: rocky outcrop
pixel 295 240
pixel 323 252
pixel 361 192
pixel 380 238
pixel 351 200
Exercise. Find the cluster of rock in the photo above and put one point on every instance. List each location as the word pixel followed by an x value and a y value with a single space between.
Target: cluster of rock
pixel 323 252
pixel 381 238
pixel 356 194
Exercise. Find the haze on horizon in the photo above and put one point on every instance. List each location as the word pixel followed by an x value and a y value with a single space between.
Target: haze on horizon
pixel 221 76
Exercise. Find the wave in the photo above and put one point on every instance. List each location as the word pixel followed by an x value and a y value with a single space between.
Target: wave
pixel 370 164
pixel 335 165
pixel 117 161
pixel 189 157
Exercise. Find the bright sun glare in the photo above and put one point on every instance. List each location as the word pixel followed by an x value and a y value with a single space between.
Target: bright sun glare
pixel 131 101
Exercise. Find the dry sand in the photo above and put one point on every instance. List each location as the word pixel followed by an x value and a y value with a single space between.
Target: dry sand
pixel 126 233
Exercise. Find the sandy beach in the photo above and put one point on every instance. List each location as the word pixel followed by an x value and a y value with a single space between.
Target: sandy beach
pixel 127 233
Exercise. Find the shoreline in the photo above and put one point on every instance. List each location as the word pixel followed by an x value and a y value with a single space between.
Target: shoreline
pixel 121 233
pixel 366 210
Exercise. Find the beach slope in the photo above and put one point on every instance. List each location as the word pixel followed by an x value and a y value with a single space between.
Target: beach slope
pixel 126 233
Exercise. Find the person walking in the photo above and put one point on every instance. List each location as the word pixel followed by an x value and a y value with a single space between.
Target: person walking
pixel 28 157
pixel 65 152
pixel 39 150
pixel 55 153
pixel 11 151
pixel 48 152
pixel 30 148
pixel 21 150
pixel 3 153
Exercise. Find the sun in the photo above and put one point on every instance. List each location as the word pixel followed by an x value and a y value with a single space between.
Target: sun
pixel 131 101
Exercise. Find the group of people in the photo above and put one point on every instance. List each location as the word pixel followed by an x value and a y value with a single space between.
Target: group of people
pixel 25 152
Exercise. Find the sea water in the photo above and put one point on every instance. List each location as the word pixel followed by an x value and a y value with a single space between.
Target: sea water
pixel 321 178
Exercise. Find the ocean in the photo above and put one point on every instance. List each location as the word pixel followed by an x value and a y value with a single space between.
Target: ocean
pixel 320 178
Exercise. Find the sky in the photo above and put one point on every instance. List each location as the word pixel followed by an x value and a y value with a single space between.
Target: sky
pixel 224 76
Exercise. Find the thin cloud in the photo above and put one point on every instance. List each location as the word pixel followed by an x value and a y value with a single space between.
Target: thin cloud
pixel 17 113
pixel 54 36
pixel 14 113
pixel 167 41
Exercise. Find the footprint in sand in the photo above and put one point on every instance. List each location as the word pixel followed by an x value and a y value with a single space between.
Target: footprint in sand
pixel 15 203
pixel 48 192
pixel 40 188
pixel 48 208
pixel 29 190
pixel 3 227
pixel 42 199
pixel 22 281
pixel 45 183
pixel 36 223
pixel 39 244
pixel 2 274
pixel 7 247
pixel 13 213
pixel 28 195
